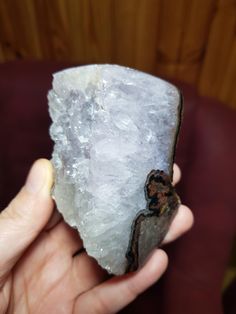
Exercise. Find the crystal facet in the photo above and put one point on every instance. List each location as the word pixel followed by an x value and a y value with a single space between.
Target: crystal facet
pixel 112 126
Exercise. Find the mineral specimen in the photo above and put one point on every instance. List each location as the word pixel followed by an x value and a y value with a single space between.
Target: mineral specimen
pixel 115 132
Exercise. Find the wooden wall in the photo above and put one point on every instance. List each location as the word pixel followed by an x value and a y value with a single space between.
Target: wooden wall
pixel 193 40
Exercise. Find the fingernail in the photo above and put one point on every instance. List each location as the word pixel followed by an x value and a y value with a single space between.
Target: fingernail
pixel 36 178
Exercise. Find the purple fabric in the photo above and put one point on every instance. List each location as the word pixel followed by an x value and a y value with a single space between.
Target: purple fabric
pixel 24 121
pixel 206 153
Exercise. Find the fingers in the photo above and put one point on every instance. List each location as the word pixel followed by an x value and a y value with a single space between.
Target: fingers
pixel 87 272
pixel 26 215
pixel 184 218
pixel 68 239
pixel 114 294
pixel 176 174
pixel 182 222
pixel 55 218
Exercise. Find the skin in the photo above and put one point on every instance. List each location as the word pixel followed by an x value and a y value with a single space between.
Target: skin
pixel 39 270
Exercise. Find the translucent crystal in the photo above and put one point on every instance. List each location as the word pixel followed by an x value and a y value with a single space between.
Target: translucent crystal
pixel 111 126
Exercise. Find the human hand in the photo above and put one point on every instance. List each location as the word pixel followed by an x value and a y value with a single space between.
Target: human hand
pixel 39 270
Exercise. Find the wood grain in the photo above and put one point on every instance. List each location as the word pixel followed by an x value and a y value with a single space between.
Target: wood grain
pixel 193 41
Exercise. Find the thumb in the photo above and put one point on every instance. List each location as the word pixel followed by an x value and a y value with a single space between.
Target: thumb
pixel 26 215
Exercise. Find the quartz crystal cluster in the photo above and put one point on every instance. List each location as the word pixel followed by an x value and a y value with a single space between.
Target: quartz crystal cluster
pixel 111 127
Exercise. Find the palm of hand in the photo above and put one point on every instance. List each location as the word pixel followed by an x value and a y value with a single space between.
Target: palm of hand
pixel 48 279
pixel 40 270
pixel 51 278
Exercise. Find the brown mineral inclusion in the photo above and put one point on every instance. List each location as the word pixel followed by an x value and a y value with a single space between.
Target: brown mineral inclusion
pixel 162 204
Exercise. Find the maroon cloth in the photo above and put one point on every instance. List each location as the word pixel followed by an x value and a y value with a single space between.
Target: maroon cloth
pixel 206 153
pixel 24 121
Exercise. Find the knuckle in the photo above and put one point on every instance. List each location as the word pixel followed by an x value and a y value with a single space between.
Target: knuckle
pixel 131 291
pixel 11 212
pixel 101 305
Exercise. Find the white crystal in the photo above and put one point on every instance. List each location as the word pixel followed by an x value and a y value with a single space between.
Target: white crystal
pixel 111 126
